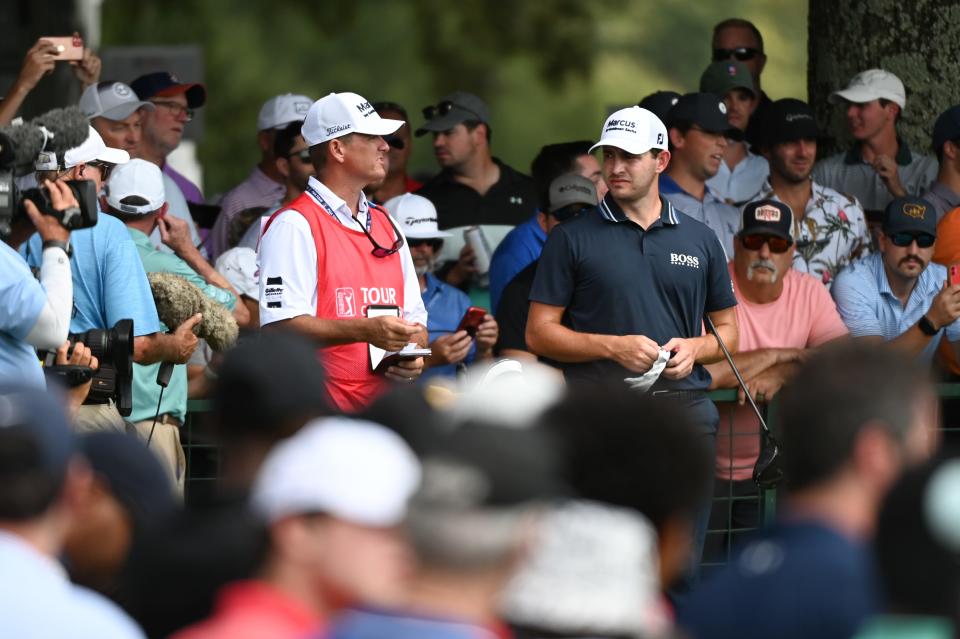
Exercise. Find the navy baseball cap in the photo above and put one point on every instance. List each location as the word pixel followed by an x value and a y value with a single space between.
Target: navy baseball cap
pixel 789 119
pixel 767 217
pixel 40 417
pixel 910 215
pixel 947 127
pixel 659 103
pixel 705 110
pixel 164 83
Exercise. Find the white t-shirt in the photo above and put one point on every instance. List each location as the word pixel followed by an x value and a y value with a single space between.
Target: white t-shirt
pixel 287 251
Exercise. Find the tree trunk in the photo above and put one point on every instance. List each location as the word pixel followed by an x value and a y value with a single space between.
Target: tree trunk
pixel 918 40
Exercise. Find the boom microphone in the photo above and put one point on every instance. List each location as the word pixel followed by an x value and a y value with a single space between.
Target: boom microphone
pixel 66 128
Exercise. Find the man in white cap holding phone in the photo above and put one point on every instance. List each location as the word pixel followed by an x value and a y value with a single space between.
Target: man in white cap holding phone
pixel 335 267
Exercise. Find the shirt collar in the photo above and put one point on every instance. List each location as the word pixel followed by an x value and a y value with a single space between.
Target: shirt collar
pixel 140 238
pixel 884 284
pixel 669 186
pixel 942 190
pixel 903 158
pixel 433 284
pixel 611 211
pixel 336 202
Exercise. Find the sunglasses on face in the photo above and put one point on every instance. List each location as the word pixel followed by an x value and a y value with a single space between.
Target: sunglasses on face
pixel 571 211
pixel 303 155
pixel 379 251
pixel 904 239
pixel 105 169
pixel 740 53
pixel 438 110
pixel 756 242
pixel 175 108
pixel 433 243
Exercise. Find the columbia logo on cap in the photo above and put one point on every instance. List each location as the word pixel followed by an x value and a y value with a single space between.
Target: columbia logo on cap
pixel 577 188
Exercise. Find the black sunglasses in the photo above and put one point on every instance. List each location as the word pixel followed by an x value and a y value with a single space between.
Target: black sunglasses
pixel 445 107
pixel 105 168
pixel 571 211
pixel 740 53
pixel 905 238
pixel 755 243
pixel 433 242
pixel 303 155
pixel 379 251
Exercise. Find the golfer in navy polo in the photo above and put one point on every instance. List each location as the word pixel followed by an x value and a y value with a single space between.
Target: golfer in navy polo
pixel 621 289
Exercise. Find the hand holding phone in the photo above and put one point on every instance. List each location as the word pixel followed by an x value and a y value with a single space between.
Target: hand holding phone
pixel 954 275
pixel 67 47
pixel 472 320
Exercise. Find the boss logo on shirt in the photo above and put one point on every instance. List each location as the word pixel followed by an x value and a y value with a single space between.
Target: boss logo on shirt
pixel 346 302
pixel 685 260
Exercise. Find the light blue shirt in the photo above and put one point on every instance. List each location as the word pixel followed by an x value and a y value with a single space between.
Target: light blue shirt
pixel 723 219
pixel 868 306
pixel 37 601
pixel 446 306
pixel 21 300
pixel 109 283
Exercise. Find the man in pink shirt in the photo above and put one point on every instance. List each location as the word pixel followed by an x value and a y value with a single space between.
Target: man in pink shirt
pixel 782 314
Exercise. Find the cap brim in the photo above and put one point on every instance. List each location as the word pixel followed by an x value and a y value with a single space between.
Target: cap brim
pixel 445 122
pixel 381 126
pixel 761 229
pixel 196 94
pixel 435 235
pixel 113 156
pixel 856 94
pixel 124 111
pixel 635 149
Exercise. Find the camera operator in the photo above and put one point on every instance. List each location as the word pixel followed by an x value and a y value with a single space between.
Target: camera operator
pixel 35 314
pixel 109 281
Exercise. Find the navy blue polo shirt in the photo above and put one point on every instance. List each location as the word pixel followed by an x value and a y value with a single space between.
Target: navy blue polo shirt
pixel 615 278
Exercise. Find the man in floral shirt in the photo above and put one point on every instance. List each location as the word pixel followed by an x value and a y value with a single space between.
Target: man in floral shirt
pixel 830 227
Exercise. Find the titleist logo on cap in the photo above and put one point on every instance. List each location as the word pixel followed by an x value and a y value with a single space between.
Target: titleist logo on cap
pixel 336 129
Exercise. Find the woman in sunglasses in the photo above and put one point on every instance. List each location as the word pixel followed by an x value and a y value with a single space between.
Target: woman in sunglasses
pixel 898 295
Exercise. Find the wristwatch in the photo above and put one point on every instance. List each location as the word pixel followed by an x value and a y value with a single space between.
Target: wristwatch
pixel 927 326
pixel 58 244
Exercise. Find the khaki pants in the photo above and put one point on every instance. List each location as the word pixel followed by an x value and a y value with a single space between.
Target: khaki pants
pixel 166 445
pixel 99 417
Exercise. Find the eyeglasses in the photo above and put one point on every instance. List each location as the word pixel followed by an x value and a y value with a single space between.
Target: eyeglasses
pixel 175 108
pixel 740 53
pixel 379 251
pixel 904 238
pixel 445 107
pixel 303 155
pixel 755 243
pixel 105 168
pixel 434 243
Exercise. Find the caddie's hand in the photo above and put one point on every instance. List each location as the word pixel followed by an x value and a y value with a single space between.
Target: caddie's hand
pixel 186 338
pixel 406 370
pixel 487 334
pixel 886 168
pixel 39 61
pixel 450 349
pixel 945 307
pixel 48 226
pixel 87 70
pixel 681 364
pixel 635 352
pixel 390 333
pixel 175 233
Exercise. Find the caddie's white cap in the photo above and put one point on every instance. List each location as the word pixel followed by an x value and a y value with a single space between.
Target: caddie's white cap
pixel 416 216
pixel 137 178
pixel 350 469
pixel 281 110
pixel 340 114
pixel 93 148
pixel 634 129
pixel 870 85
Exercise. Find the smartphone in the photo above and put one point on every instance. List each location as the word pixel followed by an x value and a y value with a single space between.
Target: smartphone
pixel 471 320
pixel 954 274
pixel 68 47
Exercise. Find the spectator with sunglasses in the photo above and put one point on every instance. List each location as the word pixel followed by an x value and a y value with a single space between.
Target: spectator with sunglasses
pixel 570 195
pixel 879 166
pixel 446 305
pixel 898 295
pixel 736 39
pixel 331 254
pixel 830 228
pixel 782 314
pixel 398 181
pixel 265 186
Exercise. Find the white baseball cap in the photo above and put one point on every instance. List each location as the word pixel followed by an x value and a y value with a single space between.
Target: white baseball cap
pixel 239 266
pixel 872 84
pixel 340 114
pixel 416 216
pixel 93 148
pixel 111 100
pixel 137 178
pixel 281 110
pixel 634 129
pixel 350 469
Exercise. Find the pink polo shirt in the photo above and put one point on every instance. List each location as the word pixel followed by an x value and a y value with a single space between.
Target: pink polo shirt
pixel 804 316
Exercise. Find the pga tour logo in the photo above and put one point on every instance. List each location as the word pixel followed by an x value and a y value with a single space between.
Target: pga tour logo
pixel 685 260
pixel 346 302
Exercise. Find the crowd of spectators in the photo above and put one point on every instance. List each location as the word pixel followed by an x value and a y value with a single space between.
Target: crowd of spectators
pixel 474 402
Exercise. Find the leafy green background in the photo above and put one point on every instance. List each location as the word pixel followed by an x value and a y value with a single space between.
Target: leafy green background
pixel 549 69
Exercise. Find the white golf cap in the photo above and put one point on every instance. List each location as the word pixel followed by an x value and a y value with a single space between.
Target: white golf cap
pixel 239 266
pixel 111 100
pixel 93 148
pixel 416 216
pixel 634 129
pixel 136 178
pixel 350 469
pixel 281 110
pixel 872 84
pixel 340 114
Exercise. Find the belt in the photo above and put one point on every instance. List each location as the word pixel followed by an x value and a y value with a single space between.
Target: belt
pixel 677 395
pixel 169 419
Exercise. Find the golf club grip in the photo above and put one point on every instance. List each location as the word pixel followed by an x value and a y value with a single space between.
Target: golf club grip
pixel 733 367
